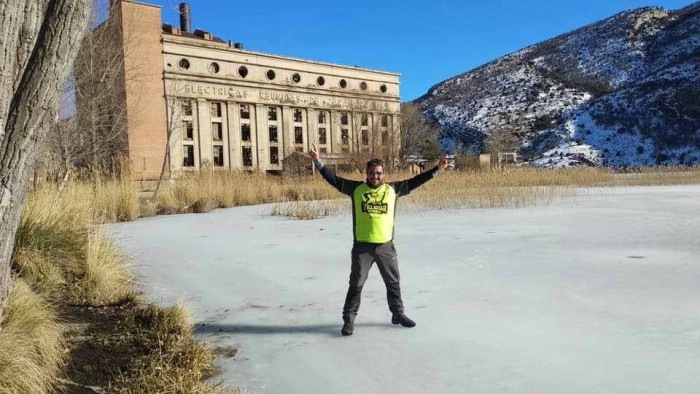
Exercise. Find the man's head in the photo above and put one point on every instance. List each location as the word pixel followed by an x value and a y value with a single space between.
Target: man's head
pixel 375 172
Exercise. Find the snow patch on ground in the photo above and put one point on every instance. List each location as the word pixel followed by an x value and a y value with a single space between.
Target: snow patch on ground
pixel 569 155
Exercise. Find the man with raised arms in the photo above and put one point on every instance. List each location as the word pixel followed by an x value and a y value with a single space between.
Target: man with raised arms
pixel 373 212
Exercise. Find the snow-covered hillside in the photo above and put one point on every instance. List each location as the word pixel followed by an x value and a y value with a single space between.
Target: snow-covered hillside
pixel 624 91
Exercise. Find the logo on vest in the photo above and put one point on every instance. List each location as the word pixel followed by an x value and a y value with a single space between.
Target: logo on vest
pixel 373 203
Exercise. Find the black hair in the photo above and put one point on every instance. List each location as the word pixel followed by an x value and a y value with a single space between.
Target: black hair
pixel 375 163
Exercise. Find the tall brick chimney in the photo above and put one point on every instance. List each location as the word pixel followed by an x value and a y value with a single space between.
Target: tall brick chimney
pixel 185 17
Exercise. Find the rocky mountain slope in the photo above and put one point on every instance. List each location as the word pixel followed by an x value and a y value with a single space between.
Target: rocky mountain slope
pixel 624 91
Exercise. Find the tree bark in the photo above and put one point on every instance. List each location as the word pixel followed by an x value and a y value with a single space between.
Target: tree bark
pixel 39 40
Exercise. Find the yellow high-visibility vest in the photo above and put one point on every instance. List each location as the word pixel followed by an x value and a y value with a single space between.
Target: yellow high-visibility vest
pixel 373 213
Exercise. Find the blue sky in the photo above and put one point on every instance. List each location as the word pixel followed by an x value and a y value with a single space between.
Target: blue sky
pixel 425 41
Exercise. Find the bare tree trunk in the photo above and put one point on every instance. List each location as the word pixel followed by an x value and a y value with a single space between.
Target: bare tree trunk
pixel 166 161
pixel 38 42
pixel 173 107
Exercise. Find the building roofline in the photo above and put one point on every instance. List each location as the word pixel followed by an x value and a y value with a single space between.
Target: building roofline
pixel 217 45
pixel 141 3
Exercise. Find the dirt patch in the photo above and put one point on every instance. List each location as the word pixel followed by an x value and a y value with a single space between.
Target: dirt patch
pixel 99 345
pixel 134 347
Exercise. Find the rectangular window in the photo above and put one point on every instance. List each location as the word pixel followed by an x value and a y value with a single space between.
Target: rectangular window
pixel 322 118
pixel 215 110
pixel 247 156
pixel 365 137
pixel 188 153
pixel 343 118
pixel 187 108
pixel 322 136
pixel 298 135
pixel 297 115
pixel 273 133
pixel 245 132
pixel 272 113
pixel 385 138
pixel 218 155
pixel 385 121
pixel 217 131
pixel 189 129
pixel 364 119
pixel 245 111
pixel 274 155
pixel 344 136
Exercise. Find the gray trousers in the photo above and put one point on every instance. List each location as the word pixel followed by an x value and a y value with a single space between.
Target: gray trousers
pixel 363 256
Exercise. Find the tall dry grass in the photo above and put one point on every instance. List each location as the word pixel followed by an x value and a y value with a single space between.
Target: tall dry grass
pixel 112 199
pixel 58 249
pixel 115 200
pixel 511 187
pixel 105 276
pixel 62 254
pixel 31 341
pixel 51 238
pixel 508 188
pixel 497 189
pixel 207 190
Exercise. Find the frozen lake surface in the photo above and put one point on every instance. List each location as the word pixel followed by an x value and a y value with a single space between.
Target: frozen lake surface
pixel 591 294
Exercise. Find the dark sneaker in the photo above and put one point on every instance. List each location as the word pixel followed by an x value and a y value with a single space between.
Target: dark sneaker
pixel 400 318
pixel 348 326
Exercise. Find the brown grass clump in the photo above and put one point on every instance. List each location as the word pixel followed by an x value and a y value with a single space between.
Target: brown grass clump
pixel 310 209
pixel 105 277
pixel 116 200
pixel 60 256
pixel 50 240
pixel 135 348
pixel 40 270
pixel 31 341
pixel 148 207
pixel 171 360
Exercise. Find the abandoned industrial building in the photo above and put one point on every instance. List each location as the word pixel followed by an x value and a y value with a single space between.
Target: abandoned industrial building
pixel 212 103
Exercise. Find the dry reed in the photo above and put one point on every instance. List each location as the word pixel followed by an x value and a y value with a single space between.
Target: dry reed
pixel 207 190
pixel 309 209
pixel 508 188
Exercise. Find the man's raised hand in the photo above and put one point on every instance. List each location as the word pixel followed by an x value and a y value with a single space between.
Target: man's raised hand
pixel 442 163
pixel 312 153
